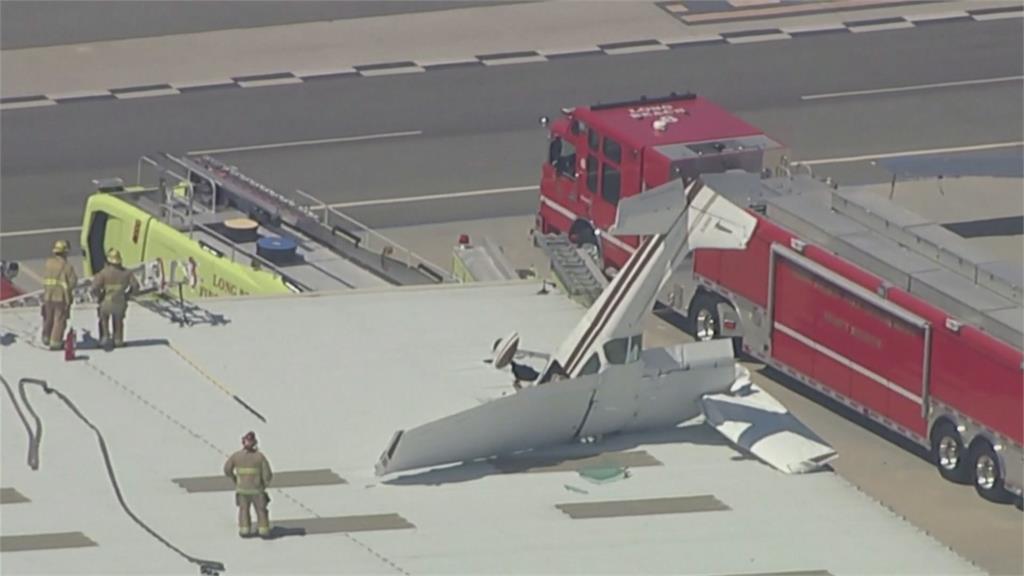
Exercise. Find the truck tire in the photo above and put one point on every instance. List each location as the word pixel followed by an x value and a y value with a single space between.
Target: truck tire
pixel 705 325
pixel 948 453
pixel 987 473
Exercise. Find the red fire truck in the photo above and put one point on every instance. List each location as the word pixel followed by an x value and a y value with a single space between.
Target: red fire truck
pixel 841 289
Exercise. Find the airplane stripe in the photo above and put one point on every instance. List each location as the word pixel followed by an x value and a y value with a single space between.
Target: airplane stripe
pixel 614 300
pixel 617 284
pixel 628 277
pixel 656 242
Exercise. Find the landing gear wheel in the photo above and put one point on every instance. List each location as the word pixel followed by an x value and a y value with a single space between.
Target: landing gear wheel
pixel 704 322
pixel 988 476
pixel 949 455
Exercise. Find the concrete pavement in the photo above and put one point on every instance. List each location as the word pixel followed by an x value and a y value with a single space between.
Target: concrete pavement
pixel 403 43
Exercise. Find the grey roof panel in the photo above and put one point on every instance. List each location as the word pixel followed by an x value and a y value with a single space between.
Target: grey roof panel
pixel 50 541
pixel 861 203
pixel 12 496
pixel 282 479
pixel 885 258
pixel 645 507
pixel 960 296
pixel 1008 324
pixel 1005 277
pixel 631 459
pixel 334 525
pixel 936 241
pixel 811 218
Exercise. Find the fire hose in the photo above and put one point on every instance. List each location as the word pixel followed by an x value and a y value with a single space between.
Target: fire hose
pixel 206 567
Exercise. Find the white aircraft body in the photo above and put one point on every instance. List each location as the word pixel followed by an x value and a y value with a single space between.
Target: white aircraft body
pixel 602 381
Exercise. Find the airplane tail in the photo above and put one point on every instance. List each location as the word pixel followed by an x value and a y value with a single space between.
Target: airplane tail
pixel 679 217
pixel 712 221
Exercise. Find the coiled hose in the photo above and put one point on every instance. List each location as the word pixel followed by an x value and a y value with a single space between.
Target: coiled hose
pixel 207 567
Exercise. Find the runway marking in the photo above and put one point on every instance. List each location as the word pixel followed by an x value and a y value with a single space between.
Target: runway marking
pixel 445 196
pixel 342 139
pixel 903 24
pixel 847 159
pixel 39 231
pixel 913 88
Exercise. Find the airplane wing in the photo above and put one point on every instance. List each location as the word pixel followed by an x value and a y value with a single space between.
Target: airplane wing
pixel 757 423
pixel 533 417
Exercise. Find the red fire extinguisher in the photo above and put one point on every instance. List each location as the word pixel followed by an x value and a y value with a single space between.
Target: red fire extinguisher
pixel 69 345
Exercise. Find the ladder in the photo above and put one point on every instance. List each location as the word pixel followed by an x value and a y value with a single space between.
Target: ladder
pixel 216 187
pixel 576 269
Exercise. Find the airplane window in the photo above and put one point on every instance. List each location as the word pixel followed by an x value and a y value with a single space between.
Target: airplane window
pixel 636 344
pixel 615 350
pixel 592 366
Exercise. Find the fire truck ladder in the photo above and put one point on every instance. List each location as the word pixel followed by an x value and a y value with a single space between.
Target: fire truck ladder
pixel 575 269
pixel 223 186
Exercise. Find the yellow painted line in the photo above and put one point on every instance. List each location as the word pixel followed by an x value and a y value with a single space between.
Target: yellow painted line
pixel 199 369
pixel 215 381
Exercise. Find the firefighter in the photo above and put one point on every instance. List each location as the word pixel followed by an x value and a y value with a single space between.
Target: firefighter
pixel 112 286
pixel 251 473
pixel 58 295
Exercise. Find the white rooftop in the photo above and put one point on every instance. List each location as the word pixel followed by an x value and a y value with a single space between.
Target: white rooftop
pixel 335 376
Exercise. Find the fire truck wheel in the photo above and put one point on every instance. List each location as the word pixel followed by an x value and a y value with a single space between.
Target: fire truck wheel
pixel 948 453
pixel 988 475
pixel 704 321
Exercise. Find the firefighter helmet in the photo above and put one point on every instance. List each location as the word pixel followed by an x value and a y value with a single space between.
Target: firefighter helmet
pixel 61 247
pixel 114 256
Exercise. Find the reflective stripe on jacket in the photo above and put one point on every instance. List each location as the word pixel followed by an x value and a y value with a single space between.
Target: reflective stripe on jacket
pixel 250 471
pixel 59 280
pixel 112 286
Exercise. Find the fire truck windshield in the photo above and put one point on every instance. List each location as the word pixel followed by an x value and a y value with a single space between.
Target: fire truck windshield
pixel 562 155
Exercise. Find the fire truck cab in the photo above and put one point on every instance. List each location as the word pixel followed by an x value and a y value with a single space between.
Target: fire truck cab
pixel 600 154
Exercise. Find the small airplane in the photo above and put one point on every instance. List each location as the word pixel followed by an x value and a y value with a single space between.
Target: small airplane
pixel 601 380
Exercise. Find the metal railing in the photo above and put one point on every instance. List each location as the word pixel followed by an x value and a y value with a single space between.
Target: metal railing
pixel 369 239
pixel 333 220
pixel 81 293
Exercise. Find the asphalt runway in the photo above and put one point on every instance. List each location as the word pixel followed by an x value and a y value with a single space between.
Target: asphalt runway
pixel 25 24
pixel 478 126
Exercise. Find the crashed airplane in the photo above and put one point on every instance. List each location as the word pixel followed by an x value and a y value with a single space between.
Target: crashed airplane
pixel 602 381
